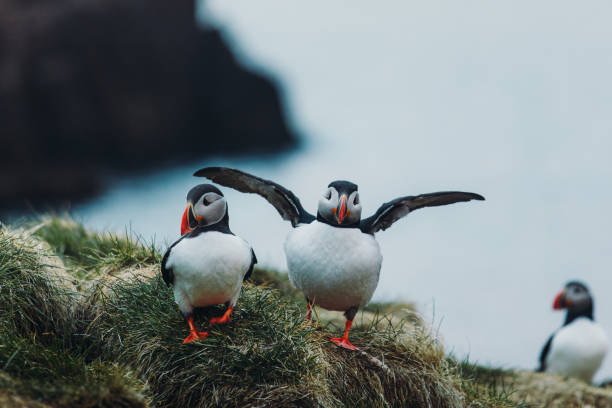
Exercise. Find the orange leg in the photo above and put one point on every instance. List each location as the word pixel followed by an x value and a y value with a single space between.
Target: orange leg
pixel 223 319
pixel 308 311
pixel 344 341
pixel 193 334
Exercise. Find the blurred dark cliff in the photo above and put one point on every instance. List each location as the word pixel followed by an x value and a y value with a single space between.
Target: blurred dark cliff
pixel 89 87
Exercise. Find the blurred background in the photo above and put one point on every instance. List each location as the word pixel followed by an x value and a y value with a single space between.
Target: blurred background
pixel 107 107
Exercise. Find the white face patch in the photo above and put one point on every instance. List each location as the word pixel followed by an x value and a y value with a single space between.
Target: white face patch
pixel 329 203
pixel 353 207
pixel 211 207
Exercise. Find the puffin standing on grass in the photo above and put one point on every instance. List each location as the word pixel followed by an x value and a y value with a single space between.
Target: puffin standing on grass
pixel 208 264
pixel 332 258
pixel 578 348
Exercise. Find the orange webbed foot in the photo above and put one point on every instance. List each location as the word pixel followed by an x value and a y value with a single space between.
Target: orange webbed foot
pixel 195 335
pixel 223 319
pixel 219 320
pixel 343 342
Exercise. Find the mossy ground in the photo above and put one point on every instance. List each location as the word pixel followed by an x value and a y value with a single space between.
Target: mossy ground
pixel 90 323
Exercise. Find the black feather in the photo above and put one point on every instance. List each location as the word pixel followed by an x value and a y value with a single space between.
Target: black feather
pixel 167 273
pixel 392 211
pixel 253 262
pixel 285 202
pixel 544 354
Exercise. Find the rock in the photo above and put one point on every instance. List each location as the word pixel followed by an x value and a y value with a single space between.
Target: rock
pixel 92 86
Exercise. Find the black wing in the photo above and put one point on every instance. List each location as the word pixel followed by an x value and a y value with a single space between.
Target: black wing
pixel 392 211
pixel 285 202
pixel 167 273
pixel 253 262
pixel 544 354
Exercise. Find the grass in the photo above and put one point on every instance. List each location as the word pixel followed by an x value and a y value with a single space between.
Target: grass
pixel 32 302
pixel 43 357
pixel 488 386
pixel 117 342
pixel 264 354
pixel 91 254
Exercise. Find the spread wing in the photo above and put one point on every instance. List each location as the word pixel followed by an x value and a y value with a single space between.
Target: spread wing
pixel 544 354
pixel 253 262
pixel 285 202
pixel 392 211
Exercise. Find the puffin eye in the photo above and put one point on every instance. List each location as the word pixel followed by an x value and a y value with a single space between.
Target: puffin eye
pixel 356 199
pixel 210 198
pixel 328 194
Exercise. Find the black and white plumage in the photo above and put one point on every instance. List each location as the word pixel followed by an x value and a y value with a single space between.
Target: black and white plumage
pixel 578 348
pixel 208 264
pixel 333 257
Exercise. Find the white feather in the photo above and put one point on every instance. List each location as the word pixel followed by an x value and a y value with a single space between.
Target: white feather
pixel 577 350
pixel 208 269
pixel 336 268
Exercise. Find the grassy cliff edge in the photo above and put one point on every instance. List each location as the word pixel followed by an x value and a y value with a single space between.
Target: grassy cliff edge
pixel 90 323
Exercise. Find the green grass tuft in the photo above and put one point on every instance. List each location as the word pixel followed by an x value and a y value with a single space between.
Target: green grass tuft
pixel 63 377
pixel 487 386
pixel 32 304
pixel 90 254
pixel 43 355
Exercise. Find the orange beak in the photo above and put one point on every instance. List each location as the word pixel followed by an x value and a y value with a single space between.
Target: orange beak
pixel 559 302
pixel 342 210
pixel 189 220
pixel 185 221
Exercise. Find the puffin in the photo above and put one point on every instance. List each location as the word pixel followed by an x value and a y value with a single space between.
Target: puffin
pixel 208 263
pixel 578 348
pixel 333 257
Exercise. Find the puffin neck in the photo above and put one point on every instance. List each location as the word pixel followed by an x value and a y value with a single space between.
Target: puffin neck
pixel 325 221
pixel 575 314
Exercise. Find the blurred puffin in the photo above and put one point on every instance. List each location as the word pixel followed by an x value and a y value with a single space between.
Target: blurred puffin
pixel 332 258
pixel 580 345
pixel 208 264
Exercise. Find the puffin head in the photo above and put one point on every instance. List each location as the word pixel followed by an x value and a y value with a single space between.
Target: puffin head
pixel 575 297
pixel 340 204
pixel 205 206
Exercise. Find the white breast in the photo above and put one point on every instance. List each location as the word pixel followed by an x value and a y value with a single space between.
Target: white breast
pixel 336 268
pixel 577 350
pixel 208 269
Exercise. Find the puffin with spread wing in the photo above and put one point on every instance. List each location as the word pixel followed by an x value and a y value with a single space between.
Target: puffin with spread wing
pixel 208 264
pixel 332 258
